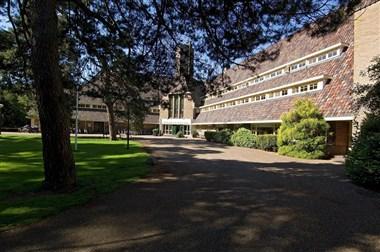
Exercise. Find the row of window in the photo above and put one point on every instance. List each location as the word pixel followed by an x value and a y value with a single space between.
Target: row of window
pixel 269 95
pixel 155 110
pixel 173 129
pixel 292 68
pixel 94 106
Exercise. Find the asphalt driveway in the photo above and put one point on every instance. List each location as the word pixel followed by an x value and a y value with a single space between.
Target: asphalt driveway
pixel 210 197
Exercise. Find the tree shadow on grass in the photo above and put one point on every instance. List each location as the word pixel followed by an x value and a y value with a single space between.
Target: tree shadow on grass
pixel 198 203
pixel 101 167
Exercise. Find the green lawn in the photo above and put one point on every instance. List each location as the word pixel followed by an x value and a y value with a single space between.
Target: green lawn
pixel 101 167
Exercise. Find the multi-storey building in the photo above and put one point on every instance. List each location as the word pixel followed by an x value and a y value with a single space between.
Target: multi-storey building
pixel 321 68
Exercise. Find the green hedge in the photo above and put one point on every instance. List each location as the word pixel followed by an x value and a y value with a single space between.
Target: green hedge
pixel 363 161
pixel 266 142
pixel 209 135
pixel 244 138
pixel 222 136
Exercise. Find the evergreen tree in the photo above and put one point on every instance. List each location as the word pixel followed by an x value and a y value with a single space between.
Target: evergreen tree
pixel 303 132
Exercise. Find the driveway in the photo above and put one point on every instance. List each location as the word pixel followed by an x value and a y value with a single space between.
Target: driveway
pixel 210 197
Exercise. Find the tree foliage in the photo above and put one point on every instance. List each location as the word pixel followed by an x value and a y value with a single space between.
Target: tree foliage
pixel 369 94
pixel 15 109
pixel 363 160
pixel 81 37
pixel 303 132
pixel 243 138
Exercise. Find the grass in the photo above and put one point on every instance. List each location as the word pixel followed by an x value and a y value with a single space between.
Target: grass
pixel 102 166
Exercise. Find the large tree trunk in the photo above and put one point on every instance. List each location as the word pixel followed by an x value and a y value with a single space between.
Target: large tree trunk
pixel 59 165
pixel 111 121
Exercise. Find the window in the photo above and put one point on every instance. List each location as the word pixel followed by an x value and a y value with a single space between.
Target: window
pixel 302 64
pixel 295 90
pixel 176 106
pixel 322 57
pixel 332 54
pixel 270 95
pixel 303 88
pixel 180 97
pixel 313 86
pixel 277 94
pixel 262 97
pixel 313 60
pixel 294 67
pixel 284 92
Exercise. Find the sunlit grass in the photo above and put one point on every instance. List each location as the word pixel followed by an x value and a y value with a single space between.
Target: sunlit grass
pixel 101 167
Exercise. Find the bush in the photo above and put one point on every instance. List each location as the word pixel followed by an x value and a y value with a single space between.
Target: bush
pixel 363 161
pixel 209 135
pixel 266 142
pixel 244 138
pixel 222 136
pixel 179 134
pixel 155 132
pixel 194 133
pixel 303 132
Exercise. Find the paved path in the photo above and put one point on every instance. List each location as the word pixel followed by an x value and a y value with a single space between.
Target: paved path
pixel 209 197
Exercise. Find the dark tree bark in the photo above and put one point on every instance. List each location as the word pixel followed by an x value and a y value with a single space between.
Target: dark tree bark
pixel 111 121
pixel 59 165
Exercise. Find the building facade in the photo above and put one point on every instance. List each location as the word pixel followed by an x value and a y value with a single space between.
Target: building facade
pixel 93 118
pixel 320 68
pixel 179 109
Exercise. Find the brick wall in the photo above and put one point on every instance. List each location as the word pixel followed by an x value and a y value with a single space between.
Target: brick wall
pixel 366 42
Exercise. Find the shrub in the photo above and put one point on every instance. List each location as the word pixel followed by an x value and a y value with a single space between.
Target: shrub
pixel 266 142
pixel 179 134
pixel 363 161
pixel 244 138
pixel 223 136
pixel 303 132
pixel 209 135
pixel 194 133
pixel 155 132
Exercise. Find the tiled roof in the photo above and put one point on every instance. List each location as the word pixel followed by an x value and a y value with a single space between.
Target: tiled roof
pixel 300 45
pixel 334 100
